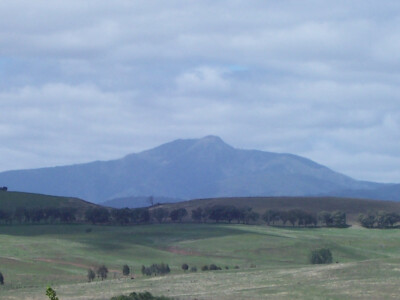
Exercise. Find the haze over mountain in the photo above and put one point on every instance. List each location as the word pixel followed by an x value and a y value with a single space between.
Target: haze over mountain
pixel 187 169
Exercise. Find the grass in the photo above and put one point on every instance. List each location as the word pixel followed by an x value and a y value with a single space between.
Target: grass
pixel 273 261
pixel 9 201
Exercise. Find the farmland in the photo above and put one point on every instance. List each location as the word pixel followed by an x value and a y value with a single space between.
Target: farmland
pixel 273 262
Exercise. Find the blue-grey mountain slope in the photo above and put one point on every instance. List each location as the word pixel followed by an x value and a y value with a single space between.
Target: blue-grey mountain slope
pixel 186 169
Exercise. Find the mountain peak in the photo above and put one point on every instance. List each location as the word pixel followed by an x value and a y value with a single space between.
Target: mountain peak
pixel 212 141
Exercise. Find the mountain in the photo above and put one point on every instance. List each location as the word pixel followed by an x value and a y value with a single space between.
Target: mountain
pixel 187 169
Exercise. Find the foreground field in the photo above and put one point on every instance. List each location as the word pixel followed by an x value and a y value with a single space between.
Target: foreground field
pixel 273 262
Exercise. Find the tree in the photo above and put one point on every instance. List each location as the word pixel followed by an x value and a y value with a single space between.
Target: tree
pixel 1 278
pixel 178 214
pixel 271 216
pixel 160 214
pixel 325 217
pixel 197 214
pixel 151 201
pixel 230 212
pixel 292 216
pixel 321 256
pixel 97 215
pixel 216 213
pixel 51 294
pixel 185 267
pixel 193 269
pixel 367 221
pixel 338 218
pixel 156 269
pixel 140 215
pixel 125 270
pixel 90 275
pixel 121 216
pixel 102 272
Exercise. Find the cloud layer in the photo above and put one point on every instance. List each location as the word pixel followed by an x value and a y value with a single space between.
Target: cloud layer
pixel 100 79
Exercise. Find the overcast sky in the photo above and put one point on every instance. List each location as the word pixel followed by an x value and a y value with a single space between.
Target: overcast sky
pixel 96 80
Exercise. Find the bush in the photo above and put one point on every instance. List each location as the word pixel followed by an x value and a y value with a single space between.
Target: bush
pixel 321 256
pixel 214 267
pixel 1 278
pixel 204 268
pixel 193 269
pixel 125 270
pixel 141 296
pixel 90 275
pixel 156 269
pixel 185 267
pixel 102 272
pixel 51 294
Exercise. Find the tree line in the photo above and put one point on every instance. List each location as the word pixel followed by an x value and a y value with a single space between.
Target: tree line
pixel 215 213
pixel 39 215
pixel 298 217
pixel 379 219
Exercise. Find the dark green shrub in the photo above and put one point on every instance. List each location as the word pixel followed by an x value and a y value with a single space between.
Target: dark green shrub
pixel 125 270
pixel 321 256
pixel 102 272
pixel 140 296
pixel 185 267
pixel 1 278
pixel 204 268
pixel 51 294
pixel 156 269
pixel 90 275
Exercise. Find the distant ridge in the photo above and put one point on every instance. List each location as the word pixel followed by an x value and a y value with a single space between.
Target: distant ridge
pixel 188 169
pixel 9 201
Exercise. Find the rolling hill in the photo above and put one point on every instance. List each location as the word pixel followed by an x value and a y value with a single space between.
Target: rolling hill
pixel 9 201
pixel 188 169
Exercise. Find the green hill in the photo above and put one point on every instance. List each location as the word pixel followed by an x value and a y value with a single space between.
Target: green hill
pixel 352 207
pixel 9 201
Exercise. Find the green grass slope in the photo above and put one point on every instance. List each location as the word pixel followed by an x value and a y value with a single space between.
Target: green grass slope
pixel 273 261
pixel 352 207
pixel 9 201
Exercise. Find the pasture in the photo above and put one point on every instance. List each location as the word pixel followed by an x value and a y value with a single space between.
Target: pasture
pixel 273 262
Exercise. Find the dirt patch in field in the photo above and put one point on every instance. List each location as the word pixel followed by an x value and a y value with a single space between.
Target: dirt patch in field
pixel 181 251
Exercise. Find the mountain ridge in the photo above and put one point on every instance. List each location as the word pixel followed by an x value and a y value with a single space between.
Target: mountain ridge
pixel 188 169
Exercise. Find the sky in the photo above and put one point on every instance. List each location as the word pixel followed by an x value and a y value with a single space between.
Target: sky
pixel 99 79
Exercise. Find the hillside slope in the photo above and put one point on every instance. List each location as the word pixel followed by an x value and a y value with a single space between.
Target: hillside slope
pixel 9 201
pixel 187 169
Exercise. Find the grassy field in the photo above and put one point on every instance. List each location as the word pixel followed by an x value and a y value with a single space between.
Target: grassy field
pixel 273 262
